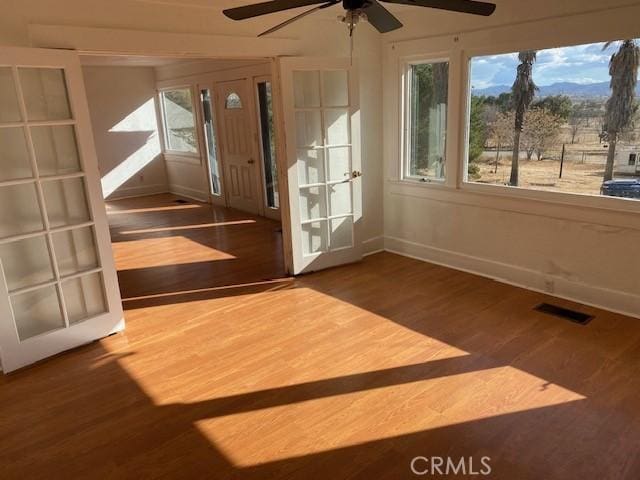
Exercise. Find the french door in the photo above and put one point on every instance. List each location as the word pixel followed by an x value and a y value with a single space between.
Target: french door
pixel 58 285
pixel 322 123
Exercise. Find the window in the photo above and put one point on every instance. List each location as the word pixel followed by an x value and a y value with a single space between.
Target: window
pixel 425 120
pixel 210 138
pixel 556 131
pixel 233 101
pixel 179 121
pixel 268 144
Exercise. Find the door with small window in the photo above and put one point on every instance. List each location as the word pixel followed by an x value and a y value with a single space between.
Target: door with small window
pixel 322 127
pixel 58 285
pixel 241 170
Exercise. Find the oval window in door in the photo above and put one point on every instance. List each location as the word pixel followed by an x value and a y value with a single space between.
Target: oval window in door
pixel 233 101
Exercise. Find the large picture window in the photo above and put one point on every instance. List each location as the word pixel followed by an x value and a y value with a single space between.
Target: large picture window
pixel 179 120
pixel 425 108
pixel 560 119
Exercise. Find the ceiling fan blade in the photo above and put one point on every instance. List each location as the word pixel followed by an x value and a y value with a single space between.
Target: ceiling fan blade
pixel 381 18
pixel 298 17
pixel 264 8
pixel 464 6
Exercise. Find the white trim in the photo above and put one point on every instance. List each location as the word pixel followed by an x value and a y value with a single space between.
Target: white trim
pixel 373 245
pixel 406 63
pixel 194 156
pixel 612 300
pixel 187 192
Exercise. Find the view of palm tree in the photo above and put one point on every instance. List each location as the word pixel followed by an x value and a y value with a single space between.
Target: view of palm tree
pixel 560 119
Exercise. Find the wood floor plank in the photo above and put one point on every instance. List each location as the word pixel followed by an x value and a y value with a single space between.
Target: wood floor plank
pixel 229 369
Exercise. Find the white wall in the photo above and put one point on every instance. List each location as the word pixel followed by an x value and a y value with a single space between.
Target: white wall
pixel 576 248
pixel 124 122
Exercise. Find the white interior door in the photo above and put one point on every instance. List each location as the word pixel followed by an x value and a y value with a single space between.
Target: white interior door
pixel 58 284
pixel 322 127
pixel 241 170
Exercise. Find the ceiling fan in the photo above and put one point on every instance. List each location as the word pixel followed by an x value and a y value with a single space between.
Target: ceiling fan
pixel 356 10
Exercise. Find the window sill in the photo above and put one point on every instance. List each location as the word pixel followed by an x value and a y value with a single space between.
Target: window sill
pixel 600 202
pixel 182 157
pixel 415 182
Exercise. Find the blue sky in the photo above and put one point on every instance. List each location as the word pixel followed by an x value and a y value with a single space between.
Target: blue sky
pixel 579 64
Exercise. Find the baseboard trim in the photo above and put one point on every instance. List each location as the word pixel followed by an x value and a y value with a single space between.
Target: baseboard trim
pixel 141 191
pixel 373 245
pixel 187 192
pixel 618 302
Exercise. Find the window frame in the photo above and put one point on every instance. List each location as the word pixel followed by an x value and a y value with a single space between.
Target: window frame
pixel 165 130
pixel 406 64
pixel 571 199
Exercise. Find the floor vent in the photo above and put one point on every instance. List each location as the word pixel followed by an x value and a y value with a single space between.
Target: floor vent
pixel 567 314
pixel 180 201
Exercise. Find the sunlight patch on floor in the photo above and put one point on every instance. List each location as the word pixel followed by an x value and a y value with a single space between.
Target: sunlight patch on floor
pixel 305 428
pixel 186 227
pixel 113 210
pixel 148 249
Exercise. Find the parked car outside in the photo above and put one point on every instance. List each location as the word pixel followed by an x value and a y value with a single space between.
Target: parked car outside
pixel 621 188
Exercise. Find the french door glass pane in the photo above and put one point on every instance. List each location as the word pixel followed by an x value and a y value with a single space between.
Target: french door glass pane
pixel 341 232
pixel 309 129
pixel 84 297
pixel 312 203
pixel 314 237
pixel 14 155
pixel 310 166
pixel 66 202
pixel 9 107
pixel 306 86
pixel 335 88
pixel 26 262
pixel 45 93
pixel 56 150
pixel 75 250
pixel 339 163
pixel 19 210
pixel 339 198
pixel 337 125
pixel 37 311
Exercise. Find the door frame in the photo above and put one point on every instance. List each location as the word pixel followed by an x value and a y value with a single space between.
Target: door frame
pixel 252 111
pixel 280 137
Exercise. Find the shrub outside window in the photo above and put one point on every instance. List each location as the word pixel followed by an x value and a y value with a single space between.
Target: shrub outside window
pixel 570 125
pixel 179 120
pixel 425 104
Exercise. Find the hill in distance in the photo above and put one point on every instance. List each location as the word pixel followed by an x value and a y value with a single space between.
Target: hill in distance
pixel 573 90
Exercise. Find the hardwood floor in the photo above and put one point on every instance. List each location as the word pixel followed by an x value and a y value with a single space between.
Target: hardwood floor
pixel 228 369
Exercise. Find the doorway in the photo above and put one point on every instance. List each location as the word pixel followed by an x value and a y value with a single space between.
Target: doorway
pixel 240 144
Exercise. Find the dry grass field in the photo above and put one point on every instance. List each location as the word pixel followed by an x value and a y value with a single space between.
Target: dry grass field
pixel 582 172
